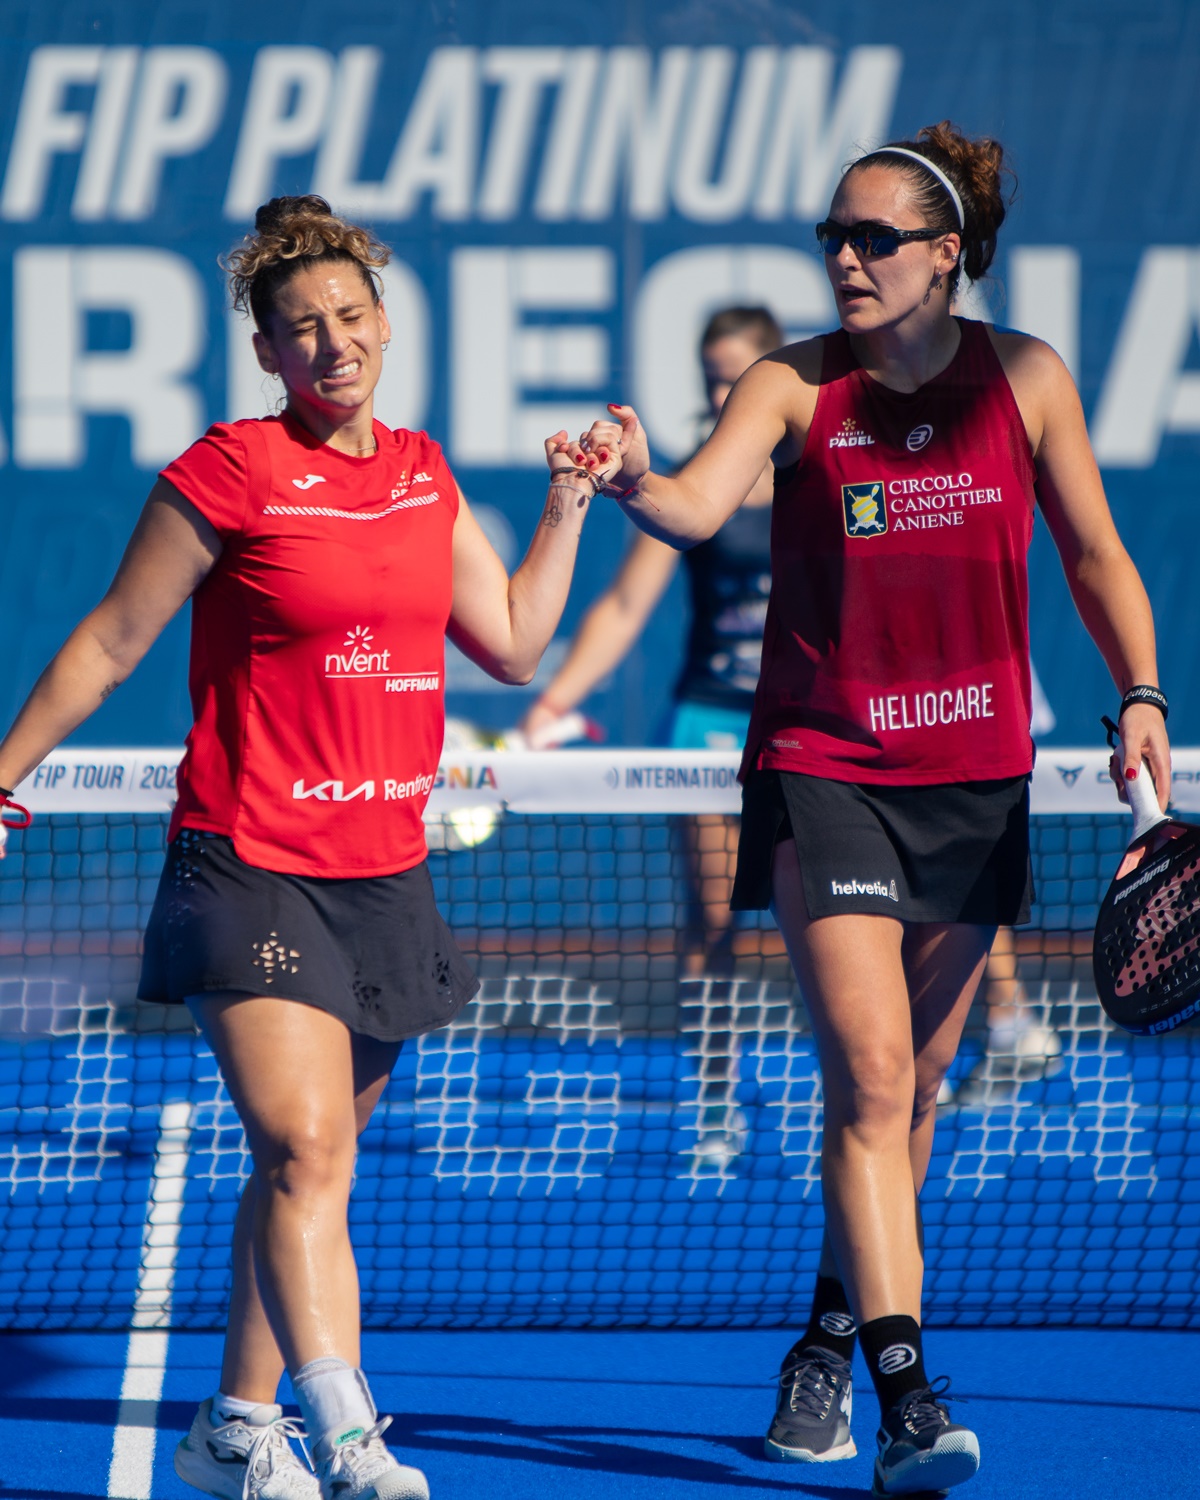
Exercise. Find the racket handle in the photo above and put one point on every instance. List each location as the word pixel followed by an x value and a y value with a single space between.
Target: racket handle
pixel 1143 803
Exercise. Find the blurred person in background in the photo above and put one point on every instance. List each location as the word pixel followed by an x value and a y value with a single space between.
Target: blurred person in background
pixel 729 581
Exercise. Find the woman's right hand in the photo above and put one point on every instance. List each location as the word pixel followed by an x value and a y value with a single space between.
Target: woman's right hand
pixel 539 718
pixel 595 448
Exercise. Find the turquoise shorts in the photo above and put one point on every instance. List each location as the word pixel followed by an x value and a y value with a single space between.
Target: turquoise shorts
pixel 706 726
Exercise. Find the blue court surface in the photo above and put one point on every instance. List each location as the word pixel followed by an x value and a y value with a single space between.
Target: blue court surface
pixel 1073 1415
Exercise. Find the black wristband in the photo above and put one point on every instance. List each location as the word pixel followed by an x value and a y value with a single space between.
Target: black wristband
pixel 5 793
pixel 1143 692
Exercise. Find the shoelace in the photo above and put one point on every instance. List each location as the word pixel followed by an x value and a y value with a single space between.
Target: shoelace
pixel 813 1380
pixel 357 1460
pixel 921 1411
pixel 269 1443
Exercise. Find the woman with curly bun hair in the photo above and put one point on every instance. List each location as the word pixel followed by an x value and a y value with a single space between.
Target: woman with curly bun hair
pixel 326 558
pixel 887 765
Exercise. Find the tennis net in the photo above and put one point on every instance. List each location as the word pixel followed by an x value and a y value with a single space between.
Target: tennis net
pixel 601 1138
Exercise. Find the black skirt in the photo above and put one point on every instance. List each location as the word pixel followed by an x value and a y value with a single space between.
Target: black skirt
pixel 374 952
pixel 957 852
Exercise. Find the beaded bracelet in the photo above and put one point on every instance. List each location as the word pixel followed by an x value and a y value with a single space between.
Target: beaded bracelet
pixel 558 475
pixel 1144 692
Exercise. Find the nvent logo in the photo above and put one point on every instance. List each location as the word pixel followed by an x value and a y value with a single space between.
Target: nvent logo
pixel 332 791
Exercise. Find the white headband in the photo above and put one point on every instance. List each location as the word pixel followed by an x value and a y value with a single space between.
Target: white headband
pixel 929 167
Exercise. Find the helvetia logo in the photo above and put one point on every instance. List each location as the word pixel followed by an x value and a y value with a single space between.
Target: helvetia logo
pixel 865 888
pixel 864 510
pixel 897 1357
pixel 918 437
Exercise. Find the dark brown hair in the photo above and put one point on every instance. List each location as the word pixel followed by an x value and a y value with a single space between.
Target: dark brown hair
pixel 291 234
pixel 981 173
pixel 758 322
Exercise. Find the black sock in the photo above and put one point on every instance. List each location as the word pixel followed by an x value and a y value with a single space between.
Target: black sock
pixel 892 1349
pixel 831 1323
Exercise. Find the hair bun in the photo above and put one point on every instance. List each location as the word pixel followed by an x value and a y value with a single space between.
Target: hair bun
pixel 273 216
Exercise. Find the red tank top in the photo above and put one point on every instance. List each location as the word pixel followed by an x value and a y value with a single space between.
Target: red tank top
pixel 896 648
pixel 318 652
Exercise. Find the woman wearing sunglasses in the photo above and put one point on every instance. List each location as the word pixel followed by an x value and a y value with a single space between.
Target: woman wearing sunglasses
pixel 886 769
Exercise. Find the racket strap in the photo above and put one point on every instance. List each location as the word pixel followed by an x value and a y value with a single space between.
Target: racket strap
pixel 25 817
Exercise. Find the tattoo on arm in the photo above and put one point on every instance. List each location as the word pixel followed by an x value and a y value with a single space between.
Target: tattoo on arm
pixel 108 688
pixel 554 510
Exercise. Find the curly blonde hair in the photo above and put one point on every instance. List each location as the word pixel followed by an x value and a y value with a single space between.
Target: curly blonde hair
pixel 289 235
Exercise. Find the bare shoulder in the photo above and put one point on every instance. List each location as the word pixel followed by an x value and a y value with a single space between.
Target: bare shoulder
pixel 1030 362
pixel 1041 385
pixel 798 363
pixel 787 381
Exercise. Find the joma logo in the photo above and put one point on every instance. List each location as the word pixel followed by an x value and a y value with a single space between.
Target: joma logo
pixel 332 791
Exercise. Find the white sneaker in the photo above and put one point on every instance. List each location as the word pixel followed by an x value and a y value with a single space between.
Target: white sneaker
pixel 249 1458
pixel 358 1465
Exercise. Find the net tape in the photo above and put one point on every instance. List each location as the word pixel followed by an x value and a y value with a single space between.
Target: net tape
pixel 597 1140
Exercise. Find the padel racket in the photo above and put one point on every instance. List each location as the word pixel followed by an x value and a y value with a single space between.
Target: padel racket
pixel 1146 952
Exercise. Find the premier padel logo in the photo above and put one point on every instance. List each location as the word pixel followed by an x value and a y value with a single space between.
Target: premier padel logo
pixel 864 513
pixel 865 888
pixel 851 436
pixel 897 1357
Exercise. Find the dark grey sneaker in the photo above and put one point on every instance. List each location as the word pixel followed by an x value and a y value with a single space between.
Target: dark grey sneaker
pixel 812 1414
pixel 921 1449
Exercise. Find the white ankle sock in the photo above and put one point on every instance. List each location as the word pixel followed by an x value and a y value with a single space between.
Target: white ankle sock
pixel 334 1399
pixel 232 1407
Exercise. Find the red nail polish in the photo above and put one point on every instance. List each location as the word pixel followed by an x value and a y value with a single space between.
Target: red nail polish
pixel 604 455
pixel 1130 774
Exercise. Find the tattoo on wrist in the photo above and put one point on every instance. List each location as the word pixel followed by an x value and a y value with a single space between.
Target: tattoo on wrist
pixel 554 510
pixel 108 689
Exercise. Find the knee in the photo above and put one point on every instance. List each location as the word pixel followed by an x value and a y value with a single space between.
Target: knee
pixel 875 1096
pixel 308 1160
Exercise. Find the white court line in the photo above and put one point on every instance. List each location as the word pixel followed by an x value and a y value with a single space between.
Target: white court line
pixel 132 1466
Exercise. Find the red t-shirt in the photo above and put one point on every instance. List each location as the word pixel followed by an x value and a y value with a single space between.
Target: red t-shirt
pixel 318 653
pixel 896 648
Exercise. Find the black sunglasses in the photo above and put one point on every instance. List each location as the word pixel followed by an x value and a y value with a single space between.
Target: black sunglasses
pixel 868 238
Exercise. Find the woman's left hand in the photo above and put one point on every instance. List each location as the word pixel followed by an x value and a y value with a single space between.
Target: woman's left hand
pixel 598 451
pixel 1143 744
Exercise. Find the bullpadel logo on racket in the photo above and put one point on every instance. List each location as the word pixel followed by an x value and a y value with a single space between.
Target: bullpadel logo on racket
pixel 864 512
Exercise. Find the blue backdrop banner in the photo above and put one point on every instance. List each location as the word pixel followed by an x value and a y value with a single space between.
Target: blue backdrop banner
pixel 568 200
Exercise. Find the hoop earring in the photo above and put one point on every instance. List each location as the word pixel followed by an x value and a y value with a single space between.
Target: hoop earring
pixel 385 344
